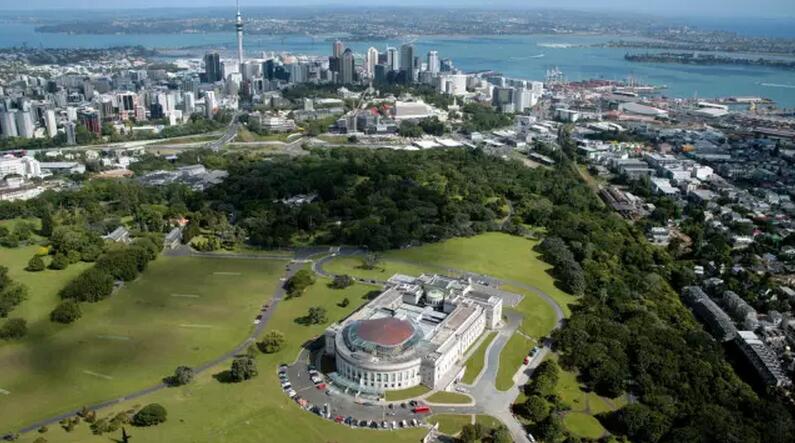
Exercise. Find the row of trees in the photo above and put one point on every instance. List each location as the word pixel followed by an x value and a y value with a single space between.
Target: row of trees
pixel 567 269
pixel 96 283
pixel 11 293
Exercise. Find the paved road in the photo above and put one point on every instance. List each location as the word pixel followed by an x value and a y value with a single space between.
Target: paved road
pixel 275 297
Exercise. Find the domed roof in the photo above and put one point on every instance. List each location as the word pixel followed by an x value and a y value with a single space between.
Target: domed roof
pixel 387 331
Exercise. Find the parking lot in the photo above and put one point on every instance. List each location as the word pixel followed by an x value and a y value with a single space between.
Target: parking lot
pixel 313 392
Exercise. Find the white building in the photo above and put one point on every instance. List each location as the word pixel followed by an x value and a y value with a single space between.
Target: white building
pixel 50 123
pixel 371 61
pixel 26 167
pixel 416 332
pixel 8 124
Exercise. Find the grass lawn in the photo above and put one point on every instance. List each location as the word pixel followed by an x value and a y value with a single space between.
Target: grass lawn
pixel 253 411
pixel 487 421
pixel 538 316
pixel 511 358
pixel 496 254
pixel 180 311
pixel 477 360
pixel 583 425
pixel 450 424
pixel 449 398
pixel 246 136
pixel 405 394
pixel 42 287
pixel 186 140
pixel 387 268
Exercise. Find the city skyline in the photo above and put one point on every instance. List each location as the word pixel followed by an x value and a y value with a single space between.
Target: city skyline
pixel 772 9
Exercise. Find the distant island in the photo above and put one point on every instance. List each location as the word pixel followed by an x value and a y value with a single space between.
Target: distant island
pixel 694 58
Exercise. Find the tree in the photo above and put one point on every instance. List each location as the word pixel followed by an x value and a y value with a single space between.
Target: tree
pixel 317 315
pixel 243 368
pixel 14 329
pixel 92 285
pixel 35 264
pixel 150 415
pixel 344 303
pixel 297 284
pixel 272 342
pixel 66 312
pixel 371 261
pixel 182 376
pixel 341 281
pixel 59 262
pixel 500 434
pixel 537 408
pixel 471 433
pixel 410 129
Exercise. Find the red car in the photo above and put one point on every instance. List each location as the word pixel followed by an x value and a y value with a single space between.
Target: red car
pixel 422 410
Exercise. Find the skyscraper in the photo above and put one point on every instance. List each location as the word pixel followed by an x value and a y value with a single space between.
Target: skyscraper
pixel 372 60
pixel 50 123
pixel 212 67
pixel 433 62
pixel 239 29
pixel 337 49
pixel 25 124
pixel 8 124
pixel 392 60
pixel 346 67
pixel 407 62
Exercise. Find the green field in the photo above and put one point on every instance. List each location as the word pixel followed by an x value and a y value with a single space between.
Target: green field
pixel 406 394
pixel 538 317
pixel 487 421
pixel 353 266
pixel 450 424
pixel 511 358
pixel 583 425
pixel 453 398
pixel 252 411
pixel 180 311
pixel 42 287
pixel 495 254
pixel 476 361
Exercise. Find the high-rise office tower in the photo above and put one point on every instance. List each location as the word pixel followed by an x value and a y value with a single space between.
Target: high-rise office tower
pixel 433 62
pixel 212 67
pixel 210 105
pixel 188 103
pixel 239 29
pixel 8 124
pixel 407 57
pixel 392 59
pixel 50 123
pixel 71 133
pixel 337 49
pixel 372 60
pixel 25 124
pixel 347 66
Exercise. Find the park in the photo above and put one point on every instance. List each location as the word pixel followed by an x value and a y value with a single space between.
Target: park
pixel 194 310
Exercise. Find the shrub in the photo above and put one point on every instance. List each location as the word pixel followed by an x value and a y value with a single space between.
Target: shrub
pixel 14 329
pixel 342 281
pixel 182 376
pixel 35 264
pixel 59 261
pixel 298 283
pixel 271 343
pixel 243 368
pixel 66 312
pixel 150 415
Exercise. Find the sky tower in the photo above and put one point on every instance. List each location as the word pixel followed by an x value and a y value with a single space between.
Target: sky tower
pixel 239 28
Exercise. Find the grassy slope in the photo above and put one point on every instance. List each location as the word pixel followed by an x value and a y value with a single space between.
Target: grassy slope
pixel 135 338
pixel 450 424
pixel 496 254
pixel 405 394
pixel 449 398
pixel 256 410
pixel 475 363
pixel 511 358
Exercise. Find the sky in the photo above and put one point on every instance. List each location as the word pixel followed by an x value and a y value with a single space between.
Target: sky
pixel 678 8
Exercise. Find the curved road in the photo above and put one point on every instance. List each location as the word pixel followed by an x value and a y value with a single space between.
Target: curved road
pixel 488 398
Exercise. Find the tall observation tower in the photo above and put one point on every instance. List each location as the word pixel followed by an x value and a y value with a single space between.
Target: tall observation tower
pixel 239 28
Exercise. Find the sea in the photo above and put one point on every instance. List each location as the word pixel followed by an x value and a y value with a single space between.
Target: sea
pixel 521 56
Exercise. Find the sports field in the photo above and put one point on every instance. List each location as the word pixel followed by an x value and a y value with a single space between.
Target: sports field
pixel 255 410
pixel 180 311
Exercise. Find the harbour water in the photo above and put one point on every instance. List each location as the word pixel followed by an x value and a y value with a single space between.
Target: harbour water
pixel 523 56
